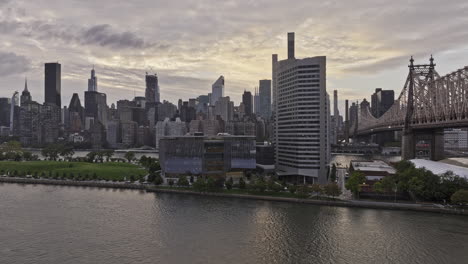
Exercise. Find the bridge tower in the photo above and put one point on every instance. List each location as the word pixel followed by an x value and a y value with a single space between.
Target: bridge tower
pixel 435 136
pixel 407 140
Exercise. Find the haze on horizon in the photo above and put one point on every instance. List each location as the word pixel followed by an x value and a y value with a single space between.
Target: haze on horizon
pixel 190 43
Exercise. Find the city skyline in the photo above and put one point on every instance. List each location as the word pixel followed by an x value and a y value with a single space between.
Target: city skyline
pixel 360 57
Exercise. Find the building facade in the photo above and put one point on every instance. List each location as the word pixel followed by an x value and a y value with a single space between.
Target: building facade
pixel 53 83
pixel 217 90
pixel 265 99
pixel 206 156
pixel 301 116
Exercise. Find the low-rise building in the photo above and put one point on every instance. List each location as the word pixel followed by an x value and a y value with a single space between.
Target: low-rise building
pixel 215 156
pixel 374 170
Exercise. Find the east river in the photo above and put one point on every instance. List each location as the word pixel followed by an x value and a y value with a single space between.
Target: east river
pixel 52 224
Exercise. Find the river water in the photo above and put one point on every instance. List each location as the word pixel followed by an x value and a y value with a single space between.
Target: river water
pixel 56 224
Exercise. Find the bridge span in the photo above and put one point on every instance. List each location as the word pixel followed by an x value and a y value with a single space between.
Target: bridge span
pixel 427 104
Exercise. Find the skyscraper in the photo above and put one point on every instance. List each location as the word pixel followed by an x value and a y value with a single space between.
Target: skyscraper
pixel 52 83
pixel 92 82
pixel 256 102
pixel 248 103
pixel 75 114
pixel 25 95
pixel 265 99
pixel 301 115
pixel 381 101
pixel 95 108
pixel 217 90
pixel 152 88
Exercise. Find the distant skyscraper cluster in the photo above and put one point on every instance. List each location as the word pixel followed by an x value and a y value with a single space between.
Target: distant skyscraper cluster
pixel 292 112
pixel 142 121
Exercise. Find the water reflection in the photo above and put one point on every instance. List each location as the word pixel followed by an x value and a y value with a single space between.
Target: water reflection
pixel 53 224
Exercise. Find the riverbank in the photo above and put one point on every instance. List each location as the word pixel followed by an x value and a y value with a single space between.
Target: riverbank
pixel 62 170
pixel 156 189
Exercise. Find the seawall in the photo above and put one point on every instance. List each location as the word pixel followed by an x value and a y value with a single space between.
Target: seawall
pixel 152 188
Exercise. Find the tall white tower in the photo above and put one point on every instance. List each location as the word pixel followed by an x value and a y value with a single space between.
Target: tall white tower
pixel 300 98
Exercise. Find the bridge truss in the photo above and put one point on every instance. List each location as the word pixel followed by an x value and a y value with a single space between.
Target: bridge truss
pixel 427 101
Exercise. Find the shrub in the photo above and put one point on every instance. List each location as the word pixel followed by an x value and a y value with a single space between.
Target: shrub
pixel 182 181
pixel 303 191
pixel 332 189
pixel 292 188
pixel 171 182
pixel 460 197
pixel 242 183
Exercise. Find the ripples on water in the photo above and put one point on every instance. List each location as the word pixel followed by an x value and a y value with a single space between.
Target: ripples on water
pixel 50 224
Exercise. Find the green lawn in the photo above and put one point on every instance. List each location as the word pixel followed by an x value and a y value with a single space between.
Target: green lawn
pixel 103 171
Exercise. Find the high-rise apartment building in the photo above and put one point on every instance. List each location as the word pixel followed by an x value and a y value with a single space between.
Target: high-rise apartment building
pixel 265 99
pixel 52 83
pixel 217 90
pixel 301 144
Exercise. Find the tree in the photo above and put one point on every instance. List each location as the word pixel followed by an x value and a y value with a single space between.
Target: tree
pixel 200 184
pixel 182 181
pixel 317 189
pixel 51 151
pixel 229 183
pixel 100 156
pixel 171 182
pixel 260 185
pixel 130 156
pixel 132 178
pixel 158 180
pixel 460 197
pixel 333 173
pixel 108 154
pixel 241 183
pixel 151 177
pixel 91 156
pixel 355 181
pixel 210 185
pixel 154 167
pixel 332 189
pixel 66 151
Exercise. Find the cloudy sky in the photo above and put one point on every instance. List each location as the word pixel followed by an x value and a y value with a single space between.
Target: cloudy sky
pixel 190 43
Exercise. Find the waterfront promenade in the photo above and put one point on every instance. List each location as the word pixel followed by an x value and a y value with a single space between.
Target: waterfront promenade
pixel 152 188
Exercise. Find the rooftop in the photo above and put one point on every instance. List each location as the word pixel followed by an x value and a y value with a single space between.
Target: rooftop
pixel 439 168
pixel 374 165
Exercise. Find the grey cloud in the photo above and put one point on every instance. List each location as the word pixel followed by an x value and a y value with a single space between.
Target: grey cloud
pixel 10 64
pixel 104 35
